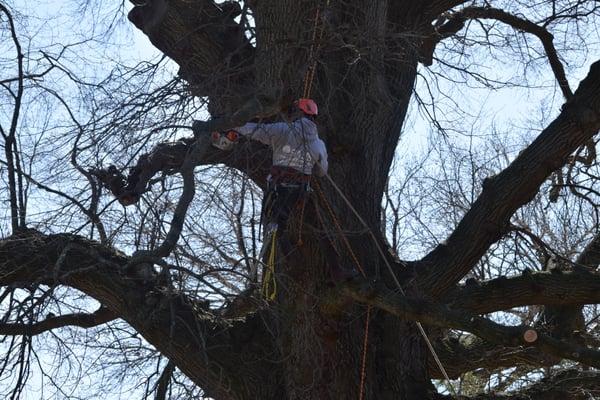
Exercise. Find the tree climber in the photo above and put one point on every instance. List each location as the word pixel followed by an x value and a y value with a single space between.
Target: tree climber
pixel 298 152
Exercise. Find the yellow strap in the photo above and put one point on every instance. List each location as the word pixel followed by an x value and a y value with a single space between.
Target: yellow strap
pixel 269 286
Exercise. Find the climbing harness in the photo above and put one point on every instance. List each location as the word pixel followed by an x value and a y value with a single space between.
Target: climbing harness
pixel 284 186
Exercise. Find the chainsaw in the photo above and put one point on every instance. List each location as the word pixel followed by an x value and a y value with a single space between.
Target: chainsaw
pixel 224 140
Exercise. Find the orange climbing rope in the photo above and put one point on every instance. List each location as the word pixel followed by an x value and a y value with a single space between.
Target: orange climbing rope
pixel 397 282
pixel 315 46
pixel 338 227
pixel 308 80
pixel 363 367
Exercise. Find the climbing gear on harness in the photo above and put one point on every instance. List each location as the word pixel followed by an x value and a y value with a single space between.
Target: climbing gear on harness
pixel 308 106
pixel 224 140
pixel 280 200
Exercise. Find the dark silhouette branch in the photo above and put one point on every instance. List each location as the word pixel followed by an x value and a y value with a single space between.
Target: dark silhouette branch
pixel 456 21
pixel 459 357
pixel 213 53
pixel 204 348
pixel 570 384
pixel 250 157
pixel 590 256
pixel 436 7
pixel 17 215
pixel 82 320
pixel 441 316
pixel 163 381
pixel 543 288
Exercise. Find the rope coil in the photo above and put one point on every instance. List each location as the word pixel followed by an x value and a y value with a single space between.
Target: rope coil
pixel 269 285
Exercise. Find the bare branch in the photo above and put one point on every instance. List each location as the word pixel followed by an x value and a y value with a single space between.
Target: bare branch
pixel 83 320
pixel 590 256
pixel 544 288
pixel 565 385
pixel 458 357
pixel 17 215
pixel 163 381
pixel 169 157
pixel 436 7
pixel 456 22
pixel 203 348
pixel 213 53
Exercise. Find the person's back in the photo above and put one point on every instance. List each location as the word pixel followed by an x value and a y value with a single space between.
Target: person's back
pixel 295 144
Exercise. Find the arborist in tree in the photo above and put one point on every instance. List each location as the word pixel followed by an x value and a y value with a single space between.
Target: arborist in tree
pixel 298 152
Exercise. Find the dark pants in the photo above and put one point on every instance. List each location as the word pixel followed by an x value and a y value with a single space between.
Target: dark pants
pixel 280 201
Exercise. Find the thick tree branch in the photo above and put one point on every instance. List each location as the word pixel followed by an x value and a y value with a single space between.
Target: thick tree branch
pixel 562 319
pixel 203 348
pixel 525 25
pixel 544 288
pixel 195 153
pixel 248 156
pixel 458 357
pixel 565 385
pixel 441 316
pixel 213 53
pixel 17 215
pixel 438 33
pixel 163 381
pixel 503 194
pixel 436 7
pixel 83 320
pixel 590 256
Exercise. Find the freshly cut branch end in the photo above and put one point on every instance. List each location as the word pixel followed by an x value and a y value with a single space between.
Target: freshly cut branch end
pixel 530 336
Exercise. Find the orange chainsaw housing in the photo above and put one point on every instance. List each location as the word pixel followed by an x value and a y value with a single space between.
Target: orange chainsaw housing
pixel 224 140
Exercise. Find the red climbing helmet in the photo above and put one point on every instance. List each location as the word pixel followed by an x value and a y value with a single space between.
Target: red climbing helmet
pixel 308 106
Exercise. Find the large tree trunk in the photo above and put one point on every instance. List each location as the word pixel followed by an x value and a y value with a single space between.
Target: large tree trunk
pixel 363 85
pixel 313 341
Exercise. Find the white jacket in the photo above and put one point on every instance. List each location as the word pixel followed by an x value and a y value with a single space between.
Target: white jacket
pixel 295 145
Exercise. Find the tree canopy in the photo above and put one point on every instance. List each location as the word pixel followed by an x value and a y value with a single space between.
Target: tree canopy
pixel 463 184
